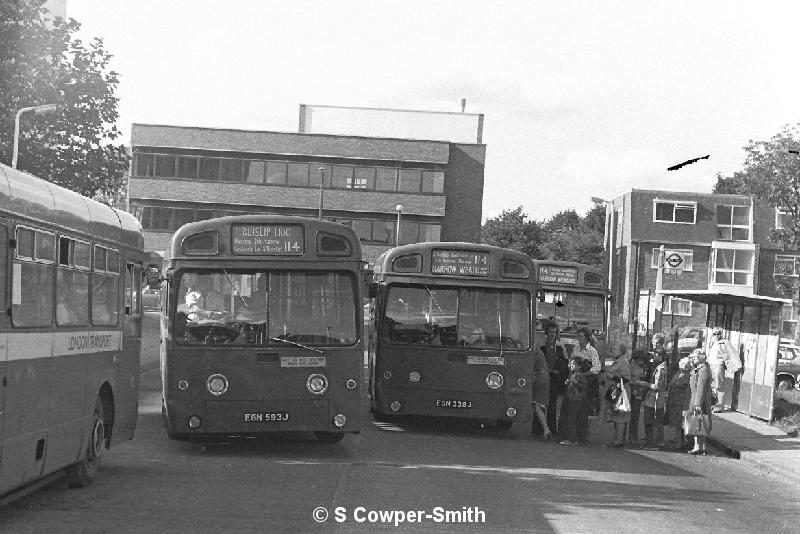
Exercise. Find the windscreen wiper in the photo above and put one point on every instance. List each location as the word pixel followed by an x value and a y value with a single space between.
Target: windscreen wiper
pixel 235 290
pixel 296 344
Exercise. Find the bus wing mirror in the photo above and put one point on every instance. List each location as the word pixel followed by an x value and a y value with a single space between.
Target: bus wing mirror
pixel 373 290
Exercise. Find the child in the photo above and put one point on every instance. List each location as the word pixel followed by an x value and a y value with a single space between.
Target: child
pixel 575 400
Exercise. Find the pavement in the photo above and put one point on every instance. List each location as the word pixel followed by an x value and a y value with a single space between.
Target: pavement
pixel 741 437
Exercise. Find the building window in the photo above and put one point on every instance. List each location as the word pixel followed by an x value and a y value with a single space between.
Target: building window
pixel 432 181
pixel 342 176
pixel 316 173
pixel 783 219
pixel 143 165
pixel 364 178
pixel 410 180
pixel 786 265
pixel 231 170
pixel 363 229
pixel 733 223
pixel 383 232
pixel 733 266
pixel 276 172
pixel 676 306
pixel 297 174
pixel 789 324
pixel 165 166
pixel 687 255
pixel 386 179
pixel 674 212
pixel 254 171
pixel 187 167
pixel 409 232
pixel 209 169
pixel 430 232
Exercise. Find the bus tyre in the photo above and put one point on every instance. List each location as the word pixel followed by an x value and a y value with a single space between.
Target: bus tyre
pixel 329 437
pixel 82 473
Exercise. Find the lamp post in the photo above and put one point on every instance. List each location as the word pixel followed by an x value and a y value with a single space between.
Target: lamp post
pixel 608 243
pixel 45 108
pixel 399 209
pixel 321 189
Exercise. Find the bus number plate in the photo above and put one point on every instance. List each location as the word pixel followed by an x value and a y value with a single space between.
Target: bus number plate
pixel 266 417
pixel 453 403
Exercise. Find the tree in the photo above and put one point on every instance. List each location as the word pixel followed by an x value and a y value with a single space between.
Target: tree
pixel 512 229
pixel 41 62
pixel 771 173
pixel 569 237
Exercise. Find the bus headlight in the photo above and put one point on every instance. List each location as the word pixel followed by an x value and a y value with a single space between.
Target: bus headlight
pixel 494 380
pixel 183 385
pixel 387 375
pixel 395 406
pixel 351 384
pixel 317 384
pixel 339 420
pixel 511 411
pixel 414 376
pixel 522 382
pixel 195 421
pixel 217 384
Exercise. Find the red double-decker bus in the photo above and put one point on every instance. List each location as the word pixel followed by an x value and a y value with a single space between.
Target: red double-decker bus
pixel 70 291
pixel 453 333
pixel 261 328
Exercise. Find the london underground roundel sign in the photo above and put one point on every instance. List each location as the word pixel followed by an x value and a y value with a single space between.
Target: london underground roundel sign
pixel 674 259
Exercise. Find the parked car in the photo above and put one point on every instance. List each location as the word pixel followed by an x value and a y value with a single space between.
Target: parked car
pixel 150 299
pixel 787 375
pixel 689 338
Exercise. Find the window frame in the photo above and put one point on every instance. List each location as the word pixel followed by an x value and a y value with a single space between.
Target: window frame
pixel 668 305
pixel 683 204
pixel 733 271
pixel 731 227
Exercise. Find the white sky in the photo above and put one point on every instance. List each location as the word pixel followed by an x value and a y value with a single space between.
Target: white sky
pixel 580 99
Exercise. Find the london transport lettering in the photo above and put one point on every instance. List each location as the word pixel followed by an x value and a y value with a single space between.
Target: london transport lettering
pixel 267 240
pixel 460 262
pixel 558 275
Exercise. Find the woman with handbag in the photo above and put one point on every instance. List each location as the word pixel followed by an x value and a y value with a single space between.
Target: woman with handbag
pixel 618 393
pixel 697 418
pixel 541 393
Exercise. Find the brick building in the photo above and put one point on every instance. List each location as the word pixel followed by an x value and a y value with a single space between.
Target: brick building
pixel 718 242
pixel 183 174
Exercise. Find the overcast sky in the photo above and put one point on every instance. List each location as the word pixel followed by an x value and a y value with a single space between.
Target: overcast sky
pixel 580 99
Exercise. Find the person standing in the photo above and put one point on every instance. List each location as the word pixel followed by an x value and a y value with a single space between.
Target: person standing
pixel 700 404
pixel 619 372
pixel 557 362
pixel 576 419
pixel 591 362
pixel 721 357
pixel 677 400
pixel 654 401
pixel 541 392
pixel 639 386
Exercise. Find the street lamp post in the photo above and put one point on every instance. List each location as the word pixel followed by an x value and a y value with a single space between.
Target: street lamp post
pixel 45 108
pixel 399 209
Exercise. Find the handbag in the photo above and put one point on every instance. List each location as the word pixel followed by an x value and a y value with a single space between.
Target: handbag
pixel 696 423
pixel 613 393
pixel 623 403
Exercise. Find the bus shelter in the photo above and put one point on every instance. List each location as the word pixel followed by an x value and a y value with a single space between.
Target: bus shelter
pixel 752 326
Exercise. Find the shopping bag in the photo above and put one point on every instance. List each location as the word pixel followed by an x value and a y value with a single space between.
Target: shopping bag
pixel 696 424
pixel 623 403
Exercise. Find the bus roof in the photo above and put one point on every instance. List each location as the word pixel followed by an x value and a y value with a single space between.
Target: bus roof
pixel 25 195
pixel 384 262
pixel 224 226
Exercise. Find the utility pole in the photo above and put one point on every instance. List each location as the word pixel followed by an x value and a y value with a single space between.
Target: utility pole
pixel 321 189
pixel 45 108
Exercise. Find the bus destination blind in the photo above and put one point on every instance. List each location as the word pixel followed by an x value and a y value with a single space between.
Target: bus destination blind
pixel 460 263
pixel 550 274
pixel 267 240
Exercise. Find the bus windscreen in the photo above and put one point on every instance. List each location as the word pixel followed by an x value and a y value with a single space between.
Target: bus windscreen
pixel 458 317
pixel 248 307
pixel 571 311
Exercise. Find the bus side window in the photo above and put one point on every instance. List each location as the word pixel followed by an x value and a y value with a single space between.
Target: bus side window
pixel 3 273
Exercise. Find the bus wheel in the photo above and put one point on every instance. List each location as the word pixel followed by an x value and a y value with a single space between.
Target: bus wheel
pixel 329 437
pixel 81 474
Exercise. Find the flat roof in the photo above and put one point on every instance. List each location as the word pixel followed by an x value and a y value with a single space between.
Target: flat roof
pixel 709 296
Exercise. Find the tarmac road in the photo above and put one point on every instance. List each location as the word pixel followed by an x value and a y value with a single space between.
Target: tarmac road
pixel 152 485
